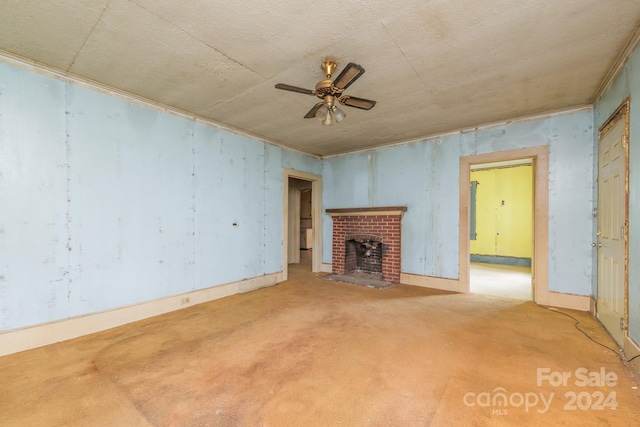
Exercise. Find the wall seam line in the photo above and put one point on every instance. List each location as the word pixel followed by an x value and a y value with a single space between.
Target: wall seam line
pixel 68 196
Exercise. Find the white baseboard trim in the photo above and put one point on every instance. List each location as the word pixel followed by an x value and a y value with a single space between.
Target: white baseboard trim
pixel 17 340
pixel 432 282
pixel 631 349
pixel 570 301
pixel 554 299
pixel 326 268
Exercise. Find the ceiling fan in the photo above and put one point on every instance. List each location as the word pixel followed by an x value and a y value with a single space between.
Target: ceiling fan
pixel 331 93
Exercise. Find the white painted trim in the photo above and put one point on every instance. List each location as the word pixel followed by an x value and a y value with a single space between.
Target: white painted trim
pixel 631 349
pixel 570 301
pixel 293 226
pixel 469 129
pixel 66 77
pixel 22 339
pixel 326 268
pixel 554 299
pixel 279 277
pixel 316 197
pixel 441 283
pixel 612 74
pixel 540 258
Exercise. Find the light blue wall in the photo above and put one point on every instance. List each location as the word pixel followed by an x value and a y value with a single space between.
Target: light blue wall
pixel 104 203
pixel 627 83
pixel 414 175
pixel 34 260
pixel 424 176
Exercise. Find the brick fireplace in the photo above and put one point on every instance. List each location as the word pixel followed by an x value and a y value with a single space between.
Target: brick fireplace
pixel 366 242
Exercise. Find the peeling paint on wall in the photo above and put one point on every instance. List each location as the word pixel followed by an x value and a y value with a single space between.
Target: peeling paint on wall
pixel 424 176
pixel 33 195
pixel 115 204
pixel 371 187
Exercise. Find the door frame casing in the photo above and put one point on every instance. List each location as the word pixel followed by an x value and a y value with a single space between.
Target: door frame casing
pixel 540 253
pixel 526 191
pixel 316 201
pixel 540 257
pixel 293 227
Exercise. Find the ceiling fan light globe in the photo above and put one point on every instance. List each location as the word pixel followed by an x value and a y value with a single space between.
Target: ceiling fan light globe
pixel 338 114
pixel 328 121
pixel 322 112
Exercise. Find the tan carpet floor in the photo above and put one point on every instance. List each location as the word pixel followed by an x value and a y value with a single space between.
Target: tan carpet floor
pixel 309 352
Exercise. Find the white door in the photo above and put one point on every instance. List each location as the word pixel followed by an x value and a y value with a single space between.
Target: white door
pixel 612 226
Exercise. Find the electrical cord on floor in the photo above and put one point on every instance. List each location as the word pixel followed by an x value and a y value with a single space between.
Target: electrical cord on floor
pixel 554 310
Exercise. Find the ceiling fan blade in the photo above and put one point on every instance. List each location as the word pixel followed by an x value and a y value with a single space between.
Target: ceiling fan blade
pixel 312 113
pixel 349 75
pixel 352 101
pixel 295 89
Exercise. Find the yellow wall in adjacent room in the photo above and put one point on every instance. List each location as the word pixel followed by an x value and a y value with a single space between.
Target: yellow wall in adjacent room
pixel 504 212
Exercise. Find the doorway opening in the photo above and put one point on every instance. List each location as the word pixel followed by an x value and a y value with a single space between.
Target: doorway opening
pixel 302 220
pixel 501 228
pixel 538 157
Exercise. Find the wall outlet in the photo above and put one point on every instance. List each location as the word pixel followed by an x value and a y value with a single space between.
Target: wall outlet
pixel 185 300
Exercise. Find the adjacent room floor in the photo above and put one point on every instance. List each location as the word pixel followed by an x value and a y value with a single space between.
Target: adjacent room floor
pixel 310 352
pixel 508 281
pixel 305 256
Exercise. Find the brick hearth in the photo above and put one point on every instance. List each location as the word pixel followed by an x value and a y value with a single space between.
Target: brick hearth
pixel 381 224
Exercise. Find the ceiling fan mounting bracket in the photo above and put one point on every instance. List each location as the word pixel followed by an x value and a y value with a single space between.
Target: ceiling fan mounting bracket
pixel 328 67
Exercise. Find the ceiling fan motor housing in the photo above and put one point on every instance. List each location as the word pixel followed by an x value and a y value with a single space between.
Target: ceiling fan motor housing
pixel 323 87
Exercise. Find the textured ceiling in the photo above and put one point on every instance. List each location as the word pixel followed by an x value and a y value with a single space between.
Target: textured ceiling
pixel 432 66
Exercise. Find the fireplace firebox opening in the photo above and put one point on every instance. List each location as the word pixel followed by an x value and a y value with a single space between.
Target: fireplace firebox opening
pixel 375 235
pixel 363 257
